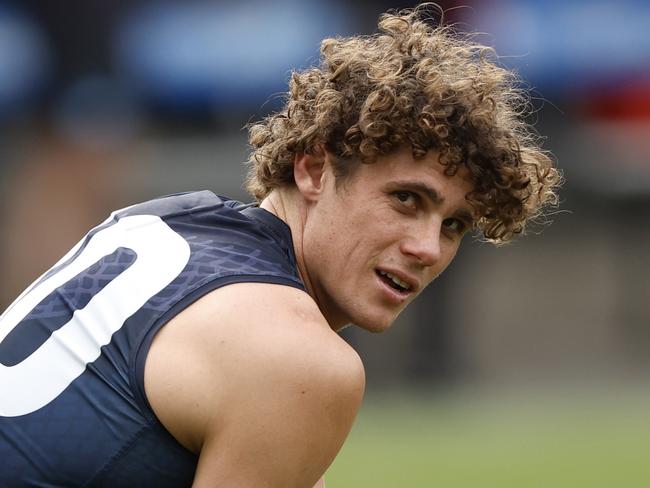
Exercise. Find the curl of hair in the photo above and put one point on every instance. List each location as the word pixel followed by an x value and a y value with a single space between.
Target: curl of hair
pixel 419 85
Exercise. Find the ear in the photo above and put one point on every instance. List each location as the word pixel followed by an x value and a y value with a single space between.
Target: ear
pixel 309 172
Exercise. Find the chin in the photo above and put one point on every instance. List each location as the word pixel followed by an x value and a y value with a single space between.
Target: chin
pixel 374 328
pixel 374 324
pixel 374 319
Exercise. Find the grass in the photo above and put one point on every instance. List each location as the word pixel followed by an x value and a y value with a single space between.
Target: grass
pixel 468 441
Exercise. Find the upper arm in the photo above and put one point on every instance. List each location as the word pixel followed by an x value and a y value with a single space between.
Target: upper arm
pixel 284 422
pixel 269 394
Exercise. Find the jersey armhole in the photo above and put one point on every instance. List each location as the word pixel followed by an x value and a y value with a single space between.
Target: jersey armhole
pixel 141 349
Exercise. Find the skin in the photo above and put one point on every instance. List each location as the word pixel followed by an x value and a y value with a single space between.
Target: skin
pixel 265 403
pixel 399 214
pixel 268 391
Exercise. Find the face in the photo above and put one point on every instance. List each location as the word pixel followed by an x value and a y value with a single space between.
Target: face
pixel 374 242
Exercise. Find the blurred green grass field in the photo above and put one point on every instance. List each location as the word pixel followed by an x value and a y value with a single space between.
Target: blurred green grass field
pixel 459 441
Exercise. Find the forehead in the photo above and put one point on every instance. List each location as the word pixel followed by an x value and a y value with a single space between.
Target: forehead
pixel 401 166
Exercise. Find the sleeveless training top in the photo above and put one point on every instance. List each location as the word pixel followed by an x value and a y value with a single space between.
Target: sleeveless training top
pixel 72 347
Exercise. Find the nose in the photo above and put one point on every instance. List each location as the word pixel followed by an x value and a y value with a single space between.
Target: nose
pixel 423 245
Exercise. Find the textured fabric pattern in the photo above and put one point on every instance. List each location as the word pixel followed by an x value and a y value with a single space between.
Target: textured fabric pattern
pixel 100 431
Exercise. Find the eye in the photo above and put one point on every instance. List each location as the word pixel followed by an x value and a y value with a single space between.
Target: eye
pixel 406 198
pixel 455 225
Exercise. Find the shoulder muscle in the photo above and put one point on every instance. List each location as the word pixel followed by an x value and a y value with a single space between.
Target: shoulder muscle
pixel 268 390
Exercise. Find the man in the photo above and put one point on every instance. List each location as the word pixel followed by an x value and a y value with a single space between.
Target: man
pixel 192 339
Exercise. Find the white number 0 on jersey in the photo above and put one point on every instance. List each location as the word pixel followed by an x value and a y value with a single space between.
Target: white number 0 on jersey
pixel 42 376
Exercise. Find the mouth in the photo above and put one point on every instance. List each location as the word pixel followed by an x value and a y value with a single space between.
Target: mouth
pixel 400 284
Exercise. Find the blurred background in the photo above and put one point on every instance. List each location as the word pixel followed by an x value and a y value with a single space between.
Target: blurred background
pixel 526 365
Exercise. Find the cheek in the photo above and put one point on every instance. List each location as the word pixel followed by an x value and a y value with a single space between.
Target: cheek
pixel 330 245
pixel 349 237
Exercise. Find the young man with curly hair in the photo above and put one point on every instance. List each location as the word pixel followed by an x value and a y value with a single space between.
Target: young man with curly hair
pixel 193 339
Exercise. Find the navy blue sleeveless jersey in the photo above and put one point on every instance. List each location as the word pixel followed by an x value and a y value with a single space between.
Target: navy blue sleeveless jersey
pixel 73 411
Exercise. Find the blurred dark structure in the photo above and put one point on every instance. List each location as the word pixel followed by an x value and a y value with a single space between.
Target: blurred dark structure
pixel 104 103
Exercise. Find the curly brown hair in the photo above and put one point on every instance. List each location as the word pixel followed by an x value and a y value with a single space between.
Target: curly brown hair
pixel 419 85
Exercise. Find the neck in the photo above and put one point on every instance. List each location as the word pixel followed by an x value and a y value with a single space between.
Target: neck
pixel 287 205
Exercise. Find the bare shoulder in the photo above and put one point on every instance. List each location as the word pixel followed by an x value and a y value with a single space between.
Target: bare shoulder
pixel 272 325
pixel 279 319
pixel 258 333
pixel 255 366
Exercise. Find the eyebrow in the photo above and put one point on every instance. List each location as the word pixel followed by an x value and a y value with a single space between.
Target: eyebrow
pixel 436 198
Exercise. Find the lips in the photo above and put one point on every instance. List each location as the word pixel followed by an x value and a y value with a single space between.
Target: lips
pixel 397 280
